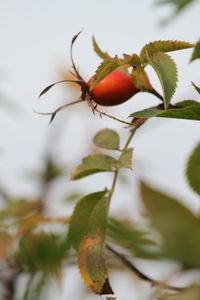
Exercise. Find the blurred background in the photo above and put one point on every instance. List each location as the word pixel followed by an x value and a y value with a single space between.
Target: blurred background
pixel 34 52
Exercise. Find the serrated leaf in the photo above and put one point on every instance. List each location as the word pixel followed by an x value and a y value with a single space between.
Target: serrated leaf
pixel 196 87
pixel 166 70
pixel 79 220
pixel 196 51
pixel 163 47
pixel 91 252
pixel 105 68
pixel 87 234
pixel 193 170
pixel 132 59
pixel 94 164
pixel 178 226
pixel 98 51
pixel 131 237
pixel 189 111
pixel 125 159
pixel 107 138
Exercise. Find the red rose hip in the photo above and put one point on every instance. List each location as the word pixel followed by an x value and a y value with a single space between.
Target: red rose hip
pixel 114 89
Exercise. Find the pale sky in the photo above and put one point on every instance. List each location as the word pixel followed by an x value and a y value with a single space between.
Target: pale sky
pixel 35 39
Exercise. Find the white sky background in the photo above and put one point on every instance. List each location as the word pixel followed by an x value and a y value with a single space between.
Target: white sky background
pixel 35 39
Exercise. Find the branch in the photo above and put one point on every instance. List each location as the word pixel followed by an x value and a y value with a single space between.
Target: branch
pixel 141 275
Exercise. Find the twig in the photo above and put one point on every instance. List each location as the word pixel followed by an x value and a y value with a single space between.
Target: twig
pixel 141 275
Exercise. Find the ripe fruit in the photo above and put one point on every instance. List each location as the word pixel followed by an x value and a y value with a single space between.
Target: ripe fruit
pixel 114 89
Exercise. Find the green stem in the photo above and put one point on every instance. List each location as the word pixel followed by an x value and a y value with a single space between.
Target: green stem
pixel 133 130
pixel 155 93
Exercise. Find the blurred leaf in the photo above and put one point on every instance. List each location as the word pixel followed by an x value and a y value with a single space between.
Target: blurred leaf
pixel 98 51
pixel 51 171
pixel 20 208
pixel 189 110
pixel 87 234
pixel 78 224
pixel 41 251
pixel 73 196
pixel 107 138
pixel 179 227
pixel 162 46
pixel 196 52
pixel 94 164
pixel 191 293
pixel 105 68
pixel 5 242
pixel 166 71
pixel 193 169
pixel 196 87
pixel 179 6
pixel 126 159
pixel 130 237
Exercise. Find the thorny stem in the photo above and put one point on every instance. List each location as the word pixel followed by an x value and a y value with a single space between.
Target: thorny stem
pixel 142 276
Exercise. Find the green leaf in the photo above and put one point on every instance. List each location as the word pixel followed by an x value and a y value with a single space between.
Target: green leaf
pixel 131 237
pixel 107 138
pixel 87 234
pixel 186 109
pixel 196 87
pixel 162 46
pixel 98 51
pixel 94 164
pixel 91 252
pixel 125 159
pixel 196 52
pixel 190 112
pixel 41 252
pixel 166 70
pixel 79 221
pixel 147 113
pixel 179 227
pixel 193 169
pixel 186 103
pixel 105 68
pixel 132 59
